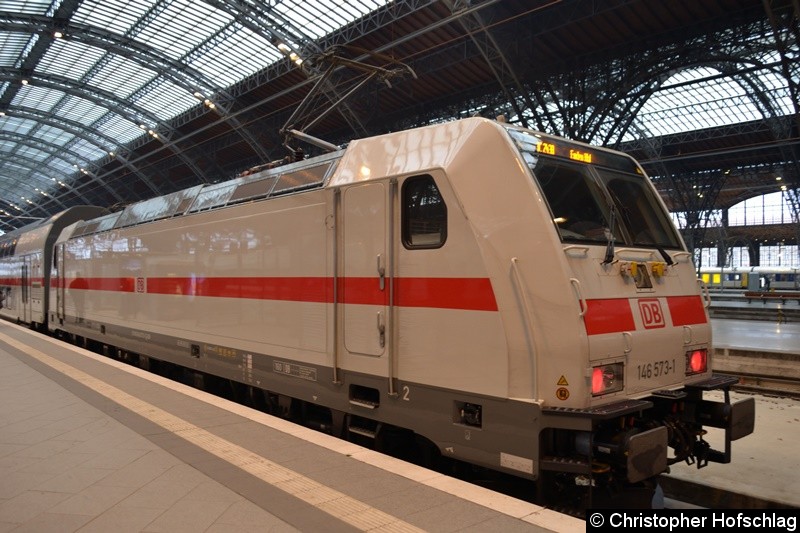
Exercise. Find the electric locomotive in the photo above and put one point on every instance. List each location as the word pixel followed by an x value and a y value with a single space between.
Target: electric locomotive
pixel 504 298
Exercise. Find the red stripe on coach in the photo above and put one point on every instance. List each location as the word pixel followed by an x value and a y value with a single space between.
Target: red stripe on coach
pixel 686 310
pixel 608 316
pixel 286 289
pixel 100 284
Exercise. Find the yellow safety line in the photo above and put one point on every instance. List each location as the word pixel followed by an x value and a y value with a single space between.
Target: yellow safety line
pixel 326 499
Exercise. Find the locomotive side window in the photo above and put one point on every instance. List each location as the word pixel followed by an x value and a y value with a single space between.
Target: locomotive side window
pixel 424 214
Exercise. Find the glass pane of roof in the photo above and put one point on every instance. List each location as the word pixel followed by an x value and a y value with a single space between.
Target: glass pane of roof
pixel 80 110
pixel 182 26
pixel 33 97
pixel 71 59
pixel 60 166
pixel 236 56
pixel 322 17
pixel 29 152
pixel 18 125
pixel 120 129
pixel 11 47
pixel 27 7
pixel 166 99
pixel 86 150
pixel 121 76
pixel 117 16
pixel 700 98
pixel 53 135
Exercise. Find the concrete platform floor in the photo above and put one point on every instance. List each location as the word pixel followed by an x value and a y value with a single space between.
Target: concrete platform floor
pixel 92 445
pixel 88 444
pixel 756 336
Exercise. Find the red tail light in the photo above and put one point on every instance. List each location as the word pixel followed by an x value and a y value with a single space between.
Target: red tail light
pixel 597 380
pixel 696 361
pixel 607 378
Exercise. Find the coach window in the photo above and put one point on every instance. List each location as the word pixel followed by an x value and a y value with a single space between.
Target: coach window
pixel 424 214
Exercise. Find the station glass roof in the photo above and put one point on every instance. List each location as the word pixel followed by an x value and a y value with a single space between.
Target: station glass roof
pixel 72 95
pixel 120 67
pixel 699 98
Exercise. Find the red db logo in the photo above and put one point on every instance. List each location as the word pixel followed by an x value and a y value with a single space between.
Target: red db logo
pixel 652 316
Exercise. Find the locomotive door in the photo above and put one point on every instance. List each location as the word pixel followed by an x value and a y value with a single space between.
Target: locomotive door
pixel 25 289
pixel 59 282
pixel 365 277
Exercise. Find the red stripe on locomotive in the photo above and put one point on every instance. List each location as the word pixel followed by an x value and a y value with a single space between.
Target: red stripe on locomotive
pixel 608 316
pixel 686 310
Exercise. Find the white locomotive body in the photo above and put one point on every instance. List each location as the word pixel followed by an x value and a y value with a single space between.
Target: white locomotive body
pixel 519 301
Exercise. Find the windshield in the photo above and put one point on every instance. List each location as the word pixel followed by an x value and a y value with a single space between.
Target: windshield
pixel 596 196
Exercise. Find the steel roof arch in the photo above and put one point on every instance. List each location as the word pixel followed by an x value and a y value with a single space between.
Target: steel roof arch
pixel 77 129
pixel 57 151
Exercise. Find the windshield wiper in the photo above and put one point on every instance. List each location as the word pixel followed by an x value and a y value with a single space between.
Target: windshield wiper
pixel 665 255
pixel 609 258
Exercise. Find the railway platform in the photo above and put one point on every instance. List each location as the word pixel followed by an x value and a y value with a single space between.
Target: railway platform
pixel 90 444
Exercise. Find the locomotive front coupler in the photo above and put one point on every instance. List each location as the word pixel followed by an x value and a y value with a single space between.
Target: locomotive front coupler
pixel 737 419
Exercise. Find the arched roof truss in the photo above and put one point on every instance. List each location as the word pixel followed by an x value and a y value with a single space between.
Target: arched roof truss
pixel 147 96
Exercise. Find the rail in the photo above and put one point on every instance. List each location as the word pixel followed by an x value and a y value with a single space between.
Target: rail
pixel 734 304
pixel 764 296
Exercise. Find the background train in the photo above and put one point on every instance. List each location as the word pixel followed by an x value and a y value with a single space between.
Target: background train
pixel 474 290
pixel 752 278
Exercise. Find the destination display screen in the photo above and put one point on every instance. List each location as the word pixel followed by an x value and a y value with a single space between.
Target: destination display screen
pixel 540 143
pixel 551 148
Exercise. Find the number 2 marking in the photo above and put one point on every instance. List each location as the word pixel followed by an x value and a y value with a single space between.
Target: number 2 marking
pixel 406 390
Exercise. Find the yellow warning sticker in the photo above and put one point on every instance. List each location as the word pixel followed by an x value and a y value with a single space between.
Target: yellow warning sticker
pixel 562 382
pixel 562 393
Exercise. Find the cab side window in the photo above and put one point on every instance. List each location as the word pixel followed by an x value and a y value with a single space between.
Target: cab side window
pixel 424 214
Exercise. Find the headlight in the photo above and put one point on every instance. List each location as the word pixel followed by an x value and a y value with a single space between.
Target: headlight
pixel 696 361
pixel 607 378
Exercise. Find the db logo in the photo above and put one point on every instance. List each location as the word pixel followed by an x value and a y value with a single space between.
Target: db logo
pixel 652 316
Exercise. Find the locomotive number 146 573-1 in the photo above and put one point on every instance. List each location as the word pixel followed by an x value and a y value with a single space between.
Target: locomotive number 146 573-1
pixel 656 369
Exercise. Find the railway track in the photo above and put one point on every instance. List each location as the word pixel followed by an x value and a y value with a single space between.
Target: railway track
pixel 769 386
pixel 684 494
pixel 767 373
pixel 733 304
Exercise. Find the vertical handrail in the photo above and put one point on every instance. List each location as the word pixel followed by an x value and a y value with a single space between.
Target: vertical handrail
pixel 528 317
pixel 576 284
pixel 627 338
pixel 706 294
pixel 390 264
pixel 337 198
pixel 59 282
